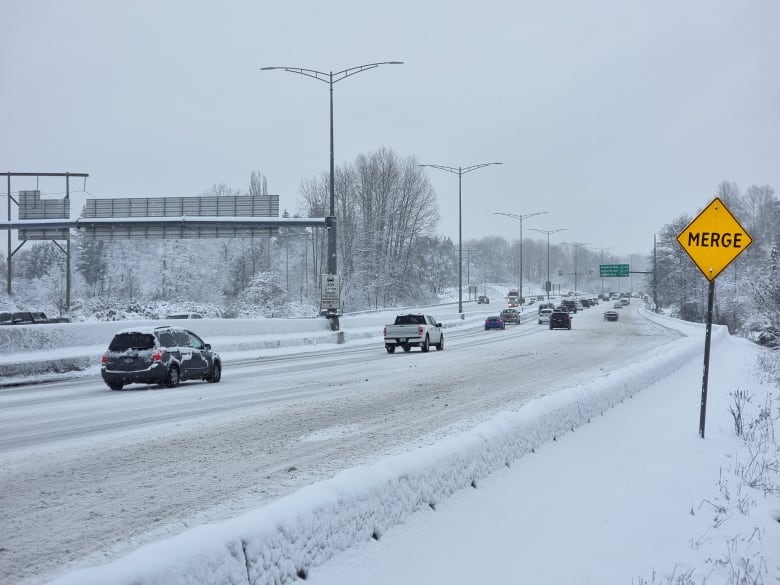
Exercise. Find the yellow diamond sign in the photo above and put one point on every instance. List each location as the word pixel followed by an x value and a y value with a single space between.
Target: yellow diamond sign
pixel 714 239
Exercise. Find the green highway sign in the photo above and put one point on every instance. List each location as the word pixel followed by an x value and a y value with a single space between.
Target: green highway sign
pixel 610 270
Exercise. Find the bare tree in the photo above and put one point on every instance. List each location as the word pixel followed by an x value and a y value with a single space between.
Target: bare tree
pixel 258 184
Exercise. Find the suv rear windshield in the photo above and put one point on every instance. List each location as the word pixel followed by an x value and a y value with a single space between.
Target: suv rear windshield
pixel 125 341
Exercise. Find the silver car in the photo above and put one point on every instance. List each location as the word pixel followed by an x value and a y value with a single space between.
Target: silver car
pixel 544 315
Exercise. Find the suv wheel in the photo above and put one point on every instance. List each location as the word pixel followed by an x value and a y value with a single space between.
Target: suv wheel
pixel 172 379
pixel 216 373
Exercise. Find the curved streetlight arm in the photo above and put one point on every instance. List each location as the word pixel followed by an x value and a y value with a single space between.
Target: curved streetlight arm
pixel 461 170
pixel 328 76
pixel 548 232
pixel 300 71
pixel 518 216
pixel 339 75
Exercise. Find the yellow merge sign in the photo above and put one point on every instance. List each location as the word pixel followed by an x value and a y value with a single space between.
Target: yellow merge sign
pixel 714 239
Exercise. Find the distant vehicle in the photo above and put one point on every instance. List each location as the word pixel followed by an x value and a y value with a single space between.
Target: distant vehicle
pixel 625 301
pixel 414 330
pixel 571 304
pixel 513 299
pixel 617 305
pixel 59 320
pixel 483 300
pixel 544 316
pixel 29 318
pixel 158 355
pixel 546 306
pixel 494 322
pixel 560 320
pixel 510 316
pixel 185 316
pixel 611 315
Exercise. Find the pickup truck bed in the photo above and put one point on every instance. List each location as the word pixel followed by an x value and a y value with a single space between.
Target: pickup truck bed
pixel 414 330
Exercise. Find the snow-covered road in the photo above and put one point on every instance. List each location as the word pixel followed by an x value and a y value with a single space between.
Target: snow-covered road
pixel 87 474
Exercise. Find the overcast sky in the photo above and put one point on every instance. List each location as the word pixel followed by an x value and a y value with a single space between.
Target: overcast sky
pixel 614 116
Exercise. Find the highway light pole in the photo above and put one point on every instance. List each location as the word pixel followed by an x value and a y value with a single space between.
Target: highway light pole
pixel 460 171
pixel 330 78
pixel 548 284
pixel 602 262
pixel 468 269
pixel 575 245
pixel 520 218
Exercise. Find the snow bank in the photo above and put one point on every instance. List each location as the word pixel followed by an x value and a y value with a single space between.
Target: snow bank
pixel 282 541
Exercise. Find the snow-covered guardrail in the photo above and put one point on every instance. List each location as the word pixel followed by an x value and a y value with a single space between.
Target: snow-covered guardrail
pixel 48 351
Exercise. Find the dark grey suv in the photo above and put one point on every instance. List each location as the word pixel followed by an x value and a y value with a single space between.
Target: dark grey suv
pixel 158 355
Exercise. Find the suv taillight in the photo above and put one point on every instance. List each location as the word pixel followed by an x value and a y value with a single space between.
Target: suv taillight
pixel 157 355
pixel 104 359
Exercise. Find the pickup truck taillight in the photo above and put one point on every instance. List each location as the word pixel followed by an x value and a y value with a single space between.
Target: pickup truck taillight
pixel 420 330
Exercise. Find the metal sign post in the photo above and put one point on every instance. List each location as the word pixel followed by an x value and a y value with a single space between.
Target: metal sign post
pixel 713 240
pixel 706 373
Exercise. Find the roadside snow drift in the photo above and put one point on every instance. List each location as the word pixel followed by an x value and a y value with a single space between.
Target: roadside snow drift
pixel 282 541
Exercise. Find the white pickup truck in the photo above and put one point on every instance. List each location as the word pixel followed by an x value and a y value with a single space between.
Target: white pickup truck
pixel 414 330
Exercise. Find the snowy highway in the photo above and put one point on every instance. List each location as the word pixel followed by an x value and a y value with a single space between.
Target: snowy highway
pixel 87 474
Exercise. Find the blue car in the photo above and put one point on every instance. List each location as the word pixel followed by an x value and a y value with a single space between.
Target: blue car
pixel 494 323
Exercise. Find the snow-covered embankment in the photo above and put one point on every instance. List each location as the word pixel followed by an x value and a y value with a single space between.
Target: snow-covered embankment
pixel 283 540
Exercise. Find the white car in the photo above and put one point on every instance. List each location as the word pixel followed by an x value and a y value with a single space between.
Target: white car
pixel 544 315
